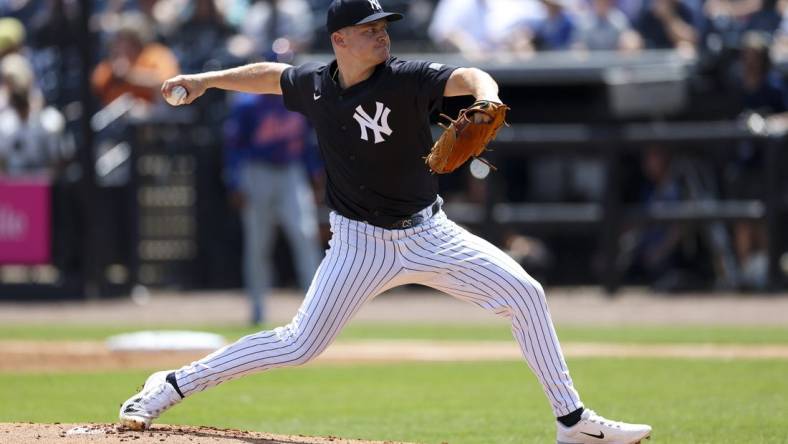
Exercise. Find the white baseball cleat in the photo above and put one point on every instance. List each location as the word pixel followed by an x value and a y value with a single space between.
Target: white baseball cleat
pixel 156 396
pixel 593 428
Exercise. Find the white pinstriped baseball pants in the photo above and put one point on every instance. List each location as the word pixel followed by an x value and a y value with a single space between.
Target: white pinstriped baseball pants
pixel 363 261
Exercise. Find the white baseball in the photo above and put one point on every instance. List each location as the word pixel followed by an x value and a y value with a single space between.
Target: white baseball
pixel 177 95
pixel 479 169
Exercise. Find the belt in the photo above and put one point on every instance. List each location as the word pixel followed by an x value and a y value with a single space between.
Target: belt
pixel 416 219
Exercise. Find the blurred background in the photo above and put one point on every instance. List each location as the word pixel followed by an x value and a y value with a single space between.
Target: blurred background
pixel 646 145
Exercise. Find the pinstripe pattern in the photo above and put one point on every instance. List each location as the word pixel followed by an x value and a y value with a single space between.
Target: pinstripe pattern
pixel 363 261
pixel 476 271
pixel 357 267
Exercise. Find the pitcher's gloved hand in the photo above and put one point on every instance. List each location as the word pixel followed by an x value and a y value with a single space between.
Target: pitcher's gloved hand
pixel 467 136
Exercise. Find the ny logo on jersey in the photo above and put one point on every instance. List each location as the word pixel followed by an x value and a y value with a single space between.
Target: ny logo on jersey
pixel 378 125
pixel 375 5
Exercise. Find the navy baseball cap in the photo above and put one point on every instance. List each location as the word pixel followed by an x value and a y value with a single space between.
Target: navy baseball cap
pixel 342 13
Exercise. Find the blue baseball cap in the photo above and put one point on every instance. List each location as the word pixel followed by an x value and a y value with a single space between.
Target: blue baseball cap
pixel 342 13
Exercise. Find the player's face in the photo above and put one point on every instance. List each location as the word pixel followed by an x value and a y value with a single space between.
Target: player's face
pixel 369 42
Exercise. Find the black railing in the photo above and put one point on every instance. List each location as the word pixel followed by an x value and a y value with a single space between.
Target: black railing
pixel 609 214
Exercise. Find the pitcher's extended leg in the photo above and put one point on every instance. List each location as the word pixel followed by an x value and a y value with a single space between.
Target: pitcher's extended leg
pixel 355 269
pixel 357 266
pixel 474 270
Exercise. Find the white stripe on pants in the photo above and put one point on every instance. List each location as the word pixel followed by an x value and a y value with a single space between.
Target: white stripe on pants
pixel 363 261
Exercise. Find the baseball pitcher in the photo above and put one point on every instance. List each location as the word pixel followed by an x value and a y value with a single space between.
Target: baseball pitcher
pixel 371 113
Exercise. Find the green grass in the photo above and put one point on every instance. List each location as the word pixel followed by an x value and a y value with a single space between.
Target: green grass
pixel 696 401
pixel 357 331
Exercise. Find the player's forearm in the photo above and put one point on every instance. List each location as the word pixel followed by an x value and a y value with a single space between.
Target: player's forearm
pixel 472 81
pixel 257 78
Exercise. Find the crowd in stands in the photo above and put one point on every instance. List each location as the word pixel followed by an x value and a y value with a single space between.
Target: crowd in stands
pixel 136 44
pixel 217 32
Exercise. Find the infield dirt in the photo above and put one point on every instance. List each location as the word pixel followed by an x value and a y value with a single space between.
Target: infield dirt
pixel 98 433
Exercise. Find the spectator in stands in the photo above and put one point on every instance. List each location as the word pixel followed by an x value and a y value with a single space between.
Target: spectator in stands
pixel 632 8
pixel 134 64
pixel 164 16
pixel 667 24
pixel 204 41
pixel 762 88
pixel 21 10
pixel 161 17
pixel 762 91
pixel 723 22
pixel 605 28
pixel 780 44
pixel 265 21
pixel 556 30
pixel 12 35
pixel 479 28
pixel 767 18
pixel 55 40
pixel 735 9
pixel 31 134
pixel 270 159
pixel 200 42
pixel 744 15
pixel 655 251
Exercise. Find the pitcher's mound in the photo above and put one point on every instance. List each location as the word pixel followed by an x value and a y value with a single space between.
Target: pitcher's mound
pixel 158 434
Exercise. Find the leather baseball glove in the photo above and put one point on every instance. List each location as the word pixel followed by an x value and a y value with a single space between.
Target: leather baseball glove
pixel 467 136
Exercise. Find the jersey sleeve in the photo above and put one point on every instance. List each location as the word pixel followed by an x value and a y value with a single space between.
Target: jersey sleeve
pixel 431 78
pixel 297 84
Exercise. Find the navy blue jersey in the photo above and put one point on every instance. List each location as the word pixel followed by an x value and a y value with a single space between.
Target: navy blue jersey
pixel 373 136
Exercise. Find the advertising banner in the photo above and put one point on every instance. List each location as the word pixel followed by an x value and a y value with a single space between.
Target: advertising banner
pixel 24 220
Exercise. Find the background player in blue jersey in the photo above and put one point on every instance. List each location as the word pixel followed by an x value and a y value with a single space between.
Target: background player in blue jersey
pixel 269 160
pixel 371 113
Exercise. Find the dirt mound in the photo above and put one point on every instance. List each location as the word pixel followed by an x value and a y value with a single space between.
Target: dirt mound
pixel 90 433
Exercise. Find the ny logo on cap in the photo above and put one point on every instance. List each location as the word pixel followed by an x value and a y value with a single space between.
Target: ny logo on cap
pixel 379 125
pixel 375 5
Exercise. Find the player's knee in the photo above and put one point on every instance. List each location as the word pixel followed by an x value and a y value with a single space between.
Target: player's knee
pixel 306 353
pixel 537 295
pixel 303 346
pixel 537 287
pixel 529 290
pixel 289 334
